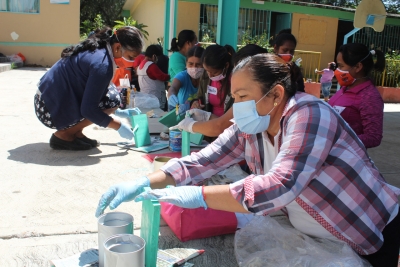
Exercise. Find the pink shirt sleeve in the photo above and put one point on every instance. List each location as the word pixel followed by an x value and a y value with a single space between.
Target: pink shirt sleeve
pixel 371 113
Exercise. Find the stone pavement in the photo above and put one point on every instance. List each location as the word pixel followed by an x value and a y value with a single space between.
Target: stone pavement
pixel 49 197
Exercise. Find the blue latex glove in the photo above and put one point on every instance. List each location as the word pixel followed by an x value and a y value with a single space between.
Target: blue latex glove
pixel 126 131
pixel 173 101
pixel 189 197
pixel 125 113
pixel 122 192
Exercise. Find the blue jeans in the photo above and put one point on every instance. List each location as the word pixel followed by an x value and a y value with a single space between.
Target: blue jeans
pixel 326 88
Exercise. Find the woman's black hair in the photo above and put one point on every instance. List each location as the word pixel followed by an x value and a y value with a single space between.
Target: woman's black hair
pixel 246 51
pixel 195 51
pixel 270 70
pixel 216 57
pixel 356 52
pixel 284 37
pixel 152 50
pixel 332 66
pixel 183 37
pixel 129 37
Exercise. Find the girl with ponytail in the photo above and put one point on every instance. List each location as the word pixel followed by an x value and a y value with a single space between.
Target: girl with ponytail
pixel 180 46
pixel 358 101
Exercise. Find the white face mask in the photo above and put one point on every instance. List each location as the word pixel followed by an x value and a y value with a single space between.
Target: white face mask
pixel 247 118
pixel 195 73
pixel 218 77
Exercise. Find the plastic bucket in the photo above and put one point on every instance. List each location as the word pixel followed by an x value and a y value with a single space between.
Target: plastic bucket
pixel 124 250
pixel 175 140
pixel 110 224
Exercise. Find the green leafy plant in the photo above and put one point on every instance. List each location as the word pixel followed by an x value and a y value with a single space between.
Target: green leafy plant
pixel 13 65
pixel 88 26
pixel 390 77
pixel 207 40
pixel 129 21
pixel 260 40
pixel 98 22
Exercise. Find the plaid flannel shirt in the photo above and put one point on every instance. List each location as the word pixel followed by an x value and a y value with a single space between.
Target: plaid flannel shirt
pixel 321 164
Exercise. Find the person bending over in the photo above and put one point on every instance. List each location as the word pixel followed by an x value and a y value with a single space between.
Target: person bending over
pixel 76 91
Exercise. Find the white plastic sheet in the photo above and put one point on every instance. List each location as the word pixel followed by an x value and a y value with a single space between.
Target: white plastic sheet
pixel 266 243
pixel 146 101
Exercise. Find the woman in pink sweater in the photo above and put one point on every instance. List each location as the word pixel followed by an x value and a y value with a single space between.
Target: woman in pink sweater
pixel 358 101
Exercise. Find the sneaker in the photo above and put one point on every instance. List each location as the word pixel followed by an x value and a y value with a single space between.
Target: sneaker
pixel 59 144
pixel 92 142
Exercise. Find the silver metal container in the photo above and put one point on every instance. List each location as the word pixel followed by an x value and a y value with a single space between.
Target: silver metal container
pixel 110 224
pixel 124 250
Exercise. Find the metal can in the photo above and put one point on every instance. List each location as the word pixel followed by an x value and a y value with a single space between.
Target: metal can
pixel 175 140
pixel 124 96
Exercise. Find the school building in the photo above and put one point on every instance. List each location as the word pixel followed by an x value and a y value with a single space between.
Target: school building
pixel 40 29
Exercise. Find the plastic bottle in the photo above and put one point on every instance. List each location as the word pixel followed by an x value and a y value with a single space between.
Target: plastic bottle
pixel 128 97
pixel 186 140
pixel 132 97
pixel 124 94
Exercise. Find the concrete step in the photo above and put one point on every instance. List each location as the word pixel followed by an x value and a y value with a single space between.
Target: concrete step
pixel 5 67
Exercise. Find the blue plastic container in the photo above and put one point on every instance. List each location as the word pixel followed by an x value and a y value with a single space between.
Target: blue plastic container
pixel 175 140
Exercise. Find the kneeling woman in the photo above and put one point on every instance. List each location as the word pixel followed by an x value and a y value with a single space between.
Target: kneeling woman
pixel 75 93
pixel 304 158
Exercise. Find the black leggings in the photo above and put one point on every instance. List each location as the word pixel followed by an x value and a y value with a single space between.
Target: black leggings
pixel 388 254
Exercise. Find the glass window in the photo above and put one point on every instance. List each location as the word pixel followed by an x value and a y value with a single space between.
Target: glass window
pixel 21 6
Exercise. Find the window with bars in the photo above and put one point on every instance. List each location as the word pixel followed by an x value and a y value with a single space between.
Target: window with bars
pixel 20 6
pixel 387 40
pixel 251 22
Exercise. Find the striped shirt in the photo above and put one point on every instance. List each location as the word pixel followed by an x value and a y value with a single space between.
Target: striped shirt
pixel 321 164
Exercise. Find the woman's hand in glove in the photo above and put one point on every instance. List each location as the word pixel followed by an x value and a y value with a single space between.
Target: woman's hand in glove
pixel 190 197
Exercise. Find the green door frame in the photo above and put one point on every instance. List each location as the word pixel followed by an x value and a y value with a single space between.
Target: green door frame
pixel 171 9
pixel 227 27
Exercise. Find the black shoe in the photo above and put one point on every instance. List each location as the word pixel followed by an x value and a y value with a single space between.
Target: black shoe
pixel 59 144
pixel 92 142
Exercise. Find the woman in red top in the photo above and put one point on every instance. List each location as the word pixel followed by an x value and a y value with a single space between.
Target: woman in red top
pixel 151 78
pixel 358 101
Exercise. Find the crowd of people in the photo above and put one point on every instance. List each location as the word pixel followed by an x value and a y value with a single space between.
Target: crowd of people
pixel 304 156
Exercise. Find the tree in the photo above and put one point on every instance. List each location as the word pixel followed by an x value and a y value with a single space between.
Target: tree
pixel 392 6
pixel 109 10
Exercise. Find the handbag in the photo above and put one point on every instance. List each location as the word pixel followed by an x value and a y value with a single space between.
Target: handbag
pixel 189 224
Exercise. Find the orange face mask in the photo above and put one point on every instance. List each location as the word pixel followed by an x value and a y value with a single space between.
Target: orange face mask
pixel 286 57
pixel 123 62
pixel 344 78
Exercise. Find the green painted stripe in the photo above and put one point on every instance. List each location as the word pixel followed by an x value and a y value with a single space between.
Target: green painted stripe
pixel 33 44
pixel 292 8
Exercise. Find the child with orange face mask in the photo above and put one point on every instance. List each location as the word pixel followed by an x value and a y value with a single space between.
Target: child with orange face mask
pixel 284 47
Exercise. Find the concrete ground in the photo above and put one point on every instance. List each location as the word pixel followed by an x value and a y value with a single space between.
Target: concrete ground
pixel 49 197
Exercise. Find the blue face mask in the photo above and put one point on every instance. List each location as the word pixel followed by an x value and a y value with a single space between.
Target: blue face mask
pixel 247 118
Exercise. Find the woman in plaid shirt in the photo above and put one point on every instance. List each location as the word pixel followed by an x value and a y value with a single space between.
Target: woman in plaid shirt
pixel 304 158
